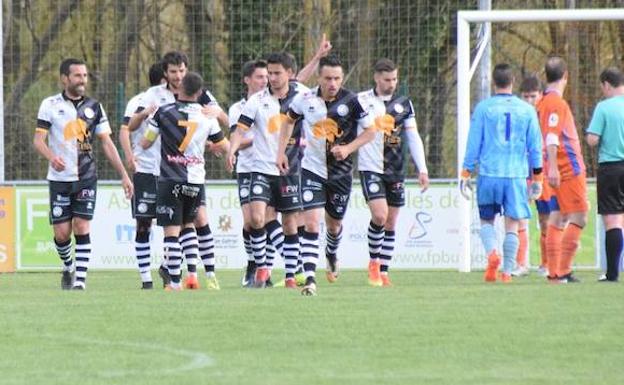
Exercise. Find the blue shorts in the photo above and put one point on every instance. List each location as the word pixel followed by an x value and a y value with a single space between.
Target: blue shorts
pixel 545 207
pixel 506 196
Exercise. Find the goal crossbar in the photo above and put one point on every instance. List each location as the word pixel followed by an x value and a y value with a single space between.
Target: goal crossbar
pixel 464 75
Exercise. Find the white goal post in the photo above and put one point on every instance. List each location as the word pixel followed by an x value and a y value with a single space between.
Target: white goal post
pixel 465 71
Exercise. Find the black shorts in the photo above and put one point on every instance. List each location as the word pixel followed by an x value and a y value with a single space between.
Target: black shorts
pixel 281 192
pixel 332 194
pixel 72 199
pixel 177 202
pixel 244 187
pixel 610 188
pixel 380 186
pixel 145 193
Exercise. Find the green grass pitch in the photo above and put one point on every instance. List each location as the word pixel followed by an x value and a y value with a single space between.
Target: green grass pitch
pixel 430 328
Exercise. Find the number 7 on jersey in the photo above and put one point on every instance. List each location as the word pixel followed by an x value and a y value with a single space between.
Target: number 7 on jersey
pixel 190 127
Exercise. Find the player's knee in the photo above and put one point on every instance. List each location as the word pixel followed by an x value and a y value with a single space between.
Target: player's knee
pixel 257 220
pixel 334 227
pixel 379 218
pixel 80 226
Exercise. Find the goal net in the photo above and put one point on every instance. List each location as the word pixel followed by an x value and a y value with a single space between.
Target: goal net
pixel 589 40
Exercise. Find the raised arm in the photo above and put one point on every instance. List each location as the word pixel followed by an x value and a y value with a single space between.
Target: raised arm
pixel 310 68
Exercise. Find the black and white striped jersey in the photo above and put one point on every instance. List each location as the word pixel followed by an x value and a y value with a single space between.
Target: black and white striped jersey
pixel 325 125
pixel 183 130
pixel 71 126
pixel 264 114
pixel 393 117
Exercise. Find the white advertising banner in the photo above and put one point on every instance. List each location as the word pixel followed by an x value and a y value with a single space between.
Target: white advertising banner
pixel 426 234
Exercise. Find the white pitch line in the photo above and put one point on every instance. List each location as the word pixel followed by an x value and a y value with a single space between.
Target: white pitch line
pixel 198 360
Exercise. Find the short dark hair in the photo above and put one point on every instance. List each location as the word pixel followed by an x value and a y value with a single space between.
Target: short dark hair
pixel 156 73
pixel 384 65
pixel 286 60
pixel 502 75
pixel 250 66
pixel 191 83
pixel 555 68
pixel 613 76
pixel 531 83
pixel 175 58
pixel 330 61
pixel 67 63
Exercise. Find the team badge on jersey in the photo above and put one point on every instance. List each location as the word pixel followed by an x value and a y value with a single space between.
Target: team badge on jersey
pixel 89 113
pixel 398 108
pixel 342 110
pixel 308 196
pixel 553 120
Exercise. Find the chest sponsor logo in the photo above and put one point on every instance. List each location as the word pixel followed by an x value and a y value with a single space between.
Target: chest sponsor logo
pixel 386 124
pixel 327 129
pixel 275 123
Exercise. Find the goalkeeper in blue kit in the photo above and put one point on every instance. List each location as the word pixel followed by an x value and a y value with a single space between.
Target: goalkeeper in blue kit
pixel 504 140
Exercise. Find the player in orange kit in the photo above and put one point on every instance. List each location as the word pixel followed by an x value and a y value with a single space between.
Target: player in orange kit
pixel 565 173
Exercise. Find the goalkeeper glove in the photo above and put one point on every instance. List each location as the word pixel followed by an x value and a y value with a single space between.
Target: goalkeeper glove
pixel 465 185
pixel 535 189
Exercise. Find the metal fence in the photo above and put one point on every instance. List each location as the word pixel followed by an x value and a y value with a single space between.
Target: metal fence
pixel 120 39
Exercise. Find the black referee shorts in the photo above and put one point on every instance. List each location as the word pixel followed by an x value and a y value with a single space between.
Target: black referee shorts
pixel 610 187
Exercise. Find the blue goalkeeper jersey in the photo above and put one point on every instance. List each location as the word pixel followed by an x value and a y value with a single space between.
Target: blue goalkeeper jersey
pixel 504 138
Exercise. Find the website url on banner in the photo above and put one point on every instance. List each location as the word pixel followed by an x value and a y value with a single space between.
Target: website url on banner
pixel 131 261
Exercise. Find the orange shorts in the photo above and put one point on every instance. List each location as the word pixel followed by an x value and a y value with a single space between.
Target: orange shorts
pixel 547 191
pixel 572 195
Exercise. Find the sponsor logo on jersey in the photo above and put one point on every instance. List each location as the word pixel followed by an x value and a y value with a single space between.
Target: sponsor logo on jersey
pixel 385 124
pixel 327 129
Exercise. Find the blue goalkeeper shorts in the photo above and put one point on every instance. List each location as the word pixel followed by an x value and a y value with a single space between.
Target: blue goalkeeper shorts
pixel 506 196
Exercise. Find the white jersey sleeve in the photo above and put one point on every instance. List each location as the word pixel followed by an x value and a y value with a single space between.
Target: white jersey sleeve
pixel 364 119
pixel 103 127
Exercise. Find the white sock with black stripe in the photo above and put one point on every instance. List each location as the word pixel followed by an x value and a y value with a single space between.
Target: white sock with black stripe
pixel 387 250
pixel 375 240
pixel 291 254
pixel 64 251
pixel 83 254
pixel 190 248
pixel 258 244
pixel 173 254
pixel 143 255
pixel 310 253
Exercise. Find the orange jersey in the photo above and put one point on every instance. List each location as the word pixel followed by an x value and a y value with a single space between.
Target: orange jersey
pixel 556 118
